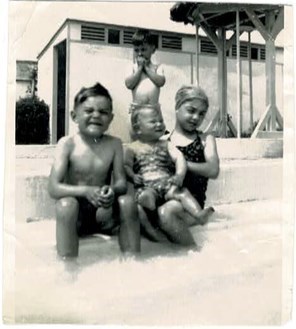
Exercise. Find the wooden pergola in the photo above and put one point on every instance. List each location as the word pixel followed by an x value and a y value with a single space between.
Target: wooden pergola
pixel 216 19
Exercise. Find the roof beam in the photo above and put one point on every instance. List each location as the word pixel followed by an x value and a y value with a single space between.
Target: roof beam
pixel 232 39
pixel 256 21
pixel 242 22
pixel 278 25
pixel 205 19
pixel 211 8
pixel 212 35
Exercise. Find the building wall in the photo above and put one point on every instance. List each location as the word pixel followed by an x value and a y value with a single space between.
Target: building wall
pixel 25 71
pixel 90 62
pixel 109 65
pixel 46 77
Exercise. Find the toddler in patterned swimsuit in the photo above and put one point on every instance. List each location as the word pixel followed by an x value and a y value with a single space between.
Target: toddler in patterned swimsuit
pixel 156 167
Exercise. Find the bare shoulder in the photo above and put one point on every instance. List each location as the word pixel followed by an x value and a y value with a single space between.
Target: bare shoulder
pixel 112 141
pixel 66 143
pixel 207 138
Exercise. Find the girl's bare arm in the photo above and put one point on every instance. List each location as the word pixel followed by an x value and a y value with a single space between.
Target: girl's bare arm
pixel 128 163
pixel 209 168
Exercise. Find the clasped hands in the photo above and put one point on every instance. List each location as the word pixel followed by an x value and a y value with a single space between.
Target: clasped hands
pixel 143 63
pixel 100 196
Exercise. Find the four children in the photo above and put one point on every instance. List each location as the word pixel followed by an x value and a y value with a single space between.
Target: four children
pixel 88 177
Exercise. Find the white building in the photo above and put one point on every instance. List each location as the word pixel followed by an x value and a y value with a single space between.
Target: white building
pixel 81 53
pixel 25 78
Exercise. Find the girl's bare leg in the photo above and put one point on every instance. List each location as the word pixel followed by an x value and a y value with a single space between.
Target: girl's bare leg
pixel 172 223
pixel 66 227
pixel 200 216
pixel 152 232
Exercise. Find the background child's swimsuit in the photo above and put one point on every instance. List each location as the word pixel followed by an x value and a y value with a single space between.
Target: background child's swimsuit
pixel 156 167
pixel 196 184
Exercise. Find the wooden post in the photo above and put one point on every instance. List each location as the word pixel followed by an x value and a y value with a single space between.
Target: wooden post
pixel 270 72
pixel 222 81
pixel 239 79
pixel 250 79
pixel 197 54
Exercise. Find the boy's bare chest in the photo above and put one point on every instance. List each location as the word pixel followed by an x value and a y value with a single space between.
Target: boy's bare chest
pixel 94 160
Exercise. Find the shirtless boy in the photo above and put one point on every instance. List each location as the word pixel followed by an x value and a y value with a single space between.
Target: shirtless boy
pixel 146 78
pixel 80 178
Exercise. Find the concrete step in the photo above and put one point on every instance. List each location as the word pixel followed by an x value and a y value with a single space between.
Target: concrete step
pixel 238 181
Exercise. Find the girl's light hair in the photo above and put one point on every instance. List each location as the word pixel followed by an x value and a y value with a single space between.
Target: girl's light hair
pixel 188 93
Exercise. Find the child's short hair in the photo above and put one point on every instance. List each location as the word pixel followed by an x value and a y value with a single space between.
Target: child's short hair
pixel 143 36
pixel 188 93
pixel 95 90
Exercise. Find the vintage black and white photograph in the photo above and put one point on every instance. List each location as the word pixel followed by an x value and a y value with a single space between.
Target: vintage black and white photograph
pixel 149 163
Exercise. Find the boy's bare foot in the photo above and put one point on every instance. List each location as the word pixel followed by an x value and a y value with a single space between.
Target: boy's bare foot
pixel 203 215
pixel 129 256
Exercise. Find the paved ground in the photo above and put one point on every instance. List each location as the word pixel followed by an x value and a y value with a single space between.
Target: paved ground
pixel 235 278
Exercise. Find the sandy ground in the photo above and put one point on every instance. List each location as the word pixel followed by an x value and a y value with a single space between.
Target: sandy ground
pixel 235 278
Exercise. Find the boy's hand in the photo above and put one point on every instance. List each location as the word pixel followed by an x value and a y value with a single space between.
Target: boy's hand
pixel 141 61
pixel 138 180
pixel 92 194
pixel 177 180
pixel 106 196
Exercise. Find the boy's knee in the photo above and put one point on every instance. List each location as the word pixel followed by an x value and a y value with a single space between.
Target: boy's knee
pixel 127 209
pixel 68 202
pixel 67 205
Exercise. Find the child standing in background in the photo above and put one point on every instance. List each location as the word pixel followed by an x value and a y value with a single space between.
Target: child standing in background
pixel 146 78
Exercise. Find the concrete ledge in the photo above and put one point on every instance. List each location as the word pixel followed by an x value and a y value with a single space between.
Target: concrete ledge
pixel 245 148
pixel 228 148
pixel 240 180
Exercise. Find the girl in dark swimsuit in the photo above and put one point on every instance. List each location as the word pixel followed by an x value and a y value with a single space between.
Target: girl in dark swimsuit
pixel 200 151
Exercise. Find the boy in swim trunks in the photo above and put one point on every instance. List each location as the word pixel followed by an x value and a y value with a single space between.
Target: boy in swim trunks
pixel 156 167
pixel 146 78
pixel 80 179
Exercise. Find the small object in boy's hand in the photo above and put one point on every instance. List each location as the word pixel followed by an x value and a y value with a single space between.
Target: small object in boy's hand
pixel 104 190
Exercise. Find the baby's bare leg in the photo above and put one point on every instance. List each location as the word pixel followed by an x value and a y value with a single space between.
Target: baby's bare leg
pixel 190 204
pixel 104 218
pixel 66 227
pixel 147 199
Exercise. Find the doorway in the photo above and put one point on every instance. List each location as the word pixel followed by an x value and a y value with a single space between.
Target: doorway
pixel 60 91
